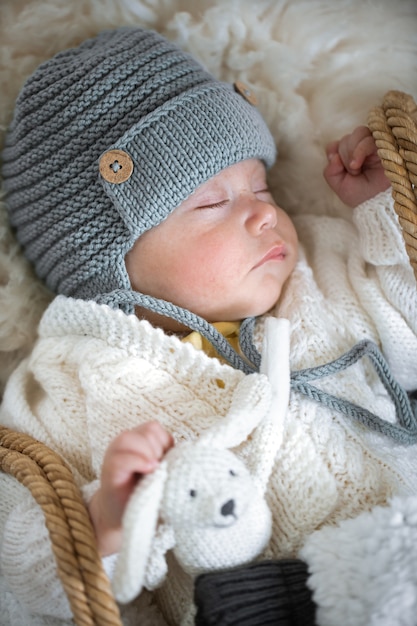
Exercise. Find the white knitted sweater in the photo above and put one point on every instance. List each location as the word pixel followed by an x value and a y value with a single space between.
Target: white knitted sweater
pixel 95 372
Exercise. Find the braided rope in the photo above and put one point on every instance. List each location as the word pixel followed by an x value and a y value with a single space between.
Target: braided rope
pixel 52 485
pixel 394 128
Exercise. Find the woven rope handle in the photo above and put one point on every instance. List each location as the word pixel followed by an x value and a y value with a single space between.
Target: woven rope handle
pixel 79 565
pixel 394 128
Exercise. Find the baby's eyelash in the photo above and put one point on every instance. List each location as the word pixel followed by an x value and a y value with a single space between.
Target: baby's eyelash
pixel 215 205
pixel 222 203
pixel 265 190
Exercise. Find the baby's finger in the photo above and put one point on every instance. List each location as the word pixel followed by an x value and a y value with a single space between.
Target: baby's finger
pixel 125 468
pixel 362 151
pixel 332 149
pixel 334 171
pixel 158 439
pixel 348 149
pixel 148 441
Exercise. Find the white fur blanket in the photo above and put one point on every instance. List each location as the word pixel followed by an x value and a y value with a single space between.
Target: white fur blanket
pixel 317 67
pixel 364 572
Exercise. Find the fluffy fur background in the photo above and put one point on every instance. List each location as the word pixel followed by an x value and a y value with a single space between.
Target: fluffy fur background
pixel 317 67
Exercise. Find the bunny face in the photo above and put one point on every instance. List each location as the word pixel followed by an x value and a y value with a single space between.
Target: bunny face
pixel 216 512
pixel 205 487
pixel 207 509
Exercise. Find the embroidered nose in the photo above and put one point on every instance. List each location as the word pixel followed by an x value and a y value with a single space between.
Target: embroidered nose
pixel 228 508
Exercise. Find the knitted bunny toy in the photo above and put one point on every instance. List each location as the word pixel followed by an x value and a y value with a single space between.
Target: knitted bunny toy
pixel 202 502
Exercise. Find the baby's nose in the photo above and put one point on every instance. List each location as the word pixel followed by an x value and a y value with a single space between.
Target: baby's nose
pixel 263 216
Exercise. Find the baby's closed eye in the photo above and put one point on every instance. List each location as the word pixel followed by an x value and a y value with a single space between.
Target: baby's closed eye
pixel 214 205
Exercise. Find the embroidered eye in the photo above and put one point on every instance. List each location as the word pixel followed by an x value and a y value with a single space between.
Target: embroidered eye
pixel 193 493
pixel 232 473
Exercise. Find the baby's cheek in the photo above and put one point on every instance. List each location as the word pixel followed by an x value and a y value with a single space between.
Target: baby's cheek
pixel 206 264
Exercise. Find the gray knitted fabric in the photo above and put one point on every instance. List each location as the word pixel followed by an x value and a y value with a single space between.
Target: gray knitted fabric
pixel 132 90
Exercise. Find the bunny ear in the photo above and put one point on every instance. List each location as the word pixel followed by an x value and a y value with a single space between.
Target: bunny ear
pixel 275 350
pixel 276 365
pixel 250 402
pixel 258 399
pixel 259 406
pixel 139 525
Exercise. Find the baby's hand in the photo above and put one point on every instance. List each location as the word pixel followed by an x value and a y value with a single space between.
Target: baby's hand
pixel 354 170
pixel 129 456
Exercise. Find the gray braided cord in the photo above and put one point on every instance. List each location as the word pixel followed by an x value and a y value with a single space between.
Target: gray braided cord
pixel 404 432
pixel 183 316
pixel 246 342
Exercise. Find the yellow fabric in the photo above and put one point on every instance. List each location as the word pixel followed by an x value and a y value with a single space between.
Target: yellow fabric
pixel 229 330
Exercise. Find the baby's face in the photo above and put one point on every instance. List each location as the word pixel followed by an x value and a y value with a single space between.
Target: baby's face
pixel 224 253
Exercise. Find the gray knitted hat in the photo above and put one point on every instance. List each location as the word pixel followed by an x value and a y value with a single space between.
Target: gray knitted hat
pixel 107 139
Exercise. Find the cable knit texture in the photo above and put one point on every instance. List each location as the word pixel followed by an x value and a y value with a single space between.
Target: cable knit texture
pixel 97 371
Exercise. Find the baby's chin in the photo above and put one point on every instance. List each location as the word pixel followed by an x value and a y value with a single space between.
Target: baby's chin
pixel 242 314
pixel 258 309
pixel 254 308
